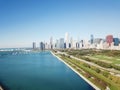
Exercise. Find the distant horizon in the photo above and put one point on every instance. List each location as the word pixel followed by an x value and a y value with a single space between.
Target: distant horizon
pixel 48 42
pixel 25 21
pixel 29 45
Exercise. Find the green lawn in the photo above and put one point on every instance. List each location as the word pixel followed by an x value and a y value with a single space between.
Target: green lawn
pixel 113 60
pixel 105 56
pixel 99 77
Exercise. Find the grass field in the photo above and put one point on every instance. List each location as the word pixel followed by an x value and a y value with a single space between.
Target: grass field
pixel 100 78
pixel 113 60
pixel 104 58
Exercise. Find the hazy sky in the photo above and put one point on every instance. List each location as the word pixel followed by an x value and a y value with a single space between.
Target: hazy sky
pixel 25 21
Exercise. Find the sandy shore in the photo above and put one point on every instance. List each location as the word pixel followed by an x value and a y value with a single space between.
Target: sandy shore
pixel 95 87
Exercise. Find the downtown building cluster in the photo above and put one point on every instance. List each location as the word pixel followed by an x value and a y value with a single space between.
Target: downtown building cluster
pixel 109 42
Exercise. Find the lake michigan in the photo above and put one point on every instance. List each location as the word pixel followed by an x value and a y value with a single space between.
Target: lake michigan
pixel 38 71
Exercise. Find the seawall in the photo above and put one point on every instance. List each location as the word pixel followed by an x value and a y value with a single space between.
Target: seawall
pixel 90 83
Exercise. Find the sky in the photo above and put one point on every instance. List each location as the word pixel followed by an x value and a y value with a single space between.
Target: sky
pixel 25 21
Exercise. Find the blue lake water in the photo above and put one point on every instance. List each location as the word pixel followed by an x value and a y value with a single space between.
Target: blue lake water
pixel 38 71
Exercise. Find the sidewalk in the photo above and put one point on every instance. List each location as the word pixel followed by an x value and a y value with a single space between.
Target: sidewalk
pixel 91 63
pixel 90 83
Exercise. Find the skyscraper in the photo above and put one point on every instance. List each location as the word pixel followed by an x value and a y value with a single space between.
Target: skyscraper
pixel 91 39
pixel 51 43
pixel 34 45
pixel 57 44
pixel 61 43
pixel 109 39
pixel 82 43
pixel 67 40
pixel 71 42
pixel 116 41
pixel 42 46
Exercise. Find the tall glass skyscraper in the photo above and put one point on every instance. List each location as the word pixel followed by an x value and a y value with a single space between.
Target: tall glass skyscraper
pixel 116 41
pixel 61 43
pixel 91 39
pixel 42 46
pixel 34 45
pixel 51 42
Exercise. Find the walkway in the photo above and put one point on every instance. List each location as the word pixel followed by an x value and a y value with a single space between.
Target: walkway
pixel 92 64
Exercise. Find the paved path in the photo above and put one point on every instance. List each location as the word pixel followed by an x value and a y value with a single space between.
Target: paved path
pixel 93 64
pixel 94 86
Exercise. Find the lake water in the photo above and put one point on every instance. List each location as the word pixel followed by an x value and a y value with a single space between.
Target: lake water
pixel 38 71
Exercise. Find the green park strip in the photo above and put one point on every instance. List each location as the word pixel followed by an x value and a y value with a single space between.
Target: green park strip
pixel 78 71
pixel 108 59
pixel 104 58
pixel 99 78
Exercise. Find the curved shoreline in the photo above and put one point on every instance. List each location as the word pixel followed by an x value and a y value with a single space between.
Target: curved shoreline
pixel 90 83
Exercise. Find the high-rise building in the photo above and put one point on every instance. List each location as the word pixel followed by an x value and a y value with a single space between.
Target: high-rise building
pixel 46 45
pixel 91 39
pixel 57 44
pixel 77 45
pixel 34 45
pixel 116 41
pixel 71 42
pixel 82 43
pixel 42 46
pixel 51 43
pixel 61 43
pixel 64 45
pixel 109 39
pixel 101 44
pixel 97 40
pixel 67 40
pixel 74 44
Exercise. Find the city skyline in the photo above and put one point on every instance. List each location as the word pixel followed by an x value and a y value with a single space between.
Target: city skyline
pixel 25 21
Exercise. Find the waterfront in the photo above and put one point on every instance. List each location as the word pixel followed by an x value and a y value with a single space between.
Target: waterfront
pixel 38 71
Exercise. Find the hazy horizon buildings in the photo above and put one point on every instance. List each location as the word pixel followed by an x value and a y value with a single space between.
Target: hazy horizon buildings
pixel 116 41
pixel 42 46
pixel 109 42
pixel 71 42
pixel 57 44
pixel 51 42
pixel 61 43
pixel 109 39
pixel 92 39
pixel 67 39
pixel 34 45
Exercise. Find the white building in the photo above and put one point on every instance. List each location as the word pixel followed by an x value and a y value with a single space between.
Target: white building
pixel 67 40
pixel 71 42
pixel 51 43
pixel 61 43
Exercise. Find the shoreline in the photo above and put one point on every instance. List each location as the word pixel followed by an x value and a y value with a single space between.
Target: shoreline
pixel 90 83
